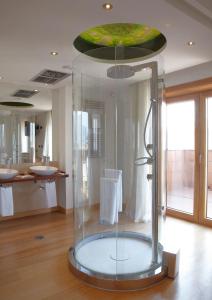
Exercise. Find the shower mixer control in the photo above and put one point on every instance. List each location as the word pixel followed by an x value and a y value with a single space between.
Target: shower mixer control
pixel 149 146
pixel 150 161
pixel 149 176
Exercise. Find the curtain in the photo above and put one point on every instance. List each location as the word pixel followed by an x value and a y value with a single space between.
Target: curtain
pixel 11 147
pixel 3 153
pixel 25 138
pixel 138 204
pixel 47 145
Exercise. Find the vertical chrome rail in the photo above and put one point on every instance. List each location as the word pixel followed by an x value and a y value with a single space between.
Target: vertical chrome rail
pixel 155 151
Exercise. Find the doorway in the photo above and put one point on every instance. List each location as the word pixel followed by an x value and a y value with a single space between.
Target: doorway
pixel 189 157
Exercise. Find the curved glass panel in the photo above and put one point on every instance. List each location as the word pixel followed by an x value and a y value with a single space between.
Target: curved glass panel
pixel 118 160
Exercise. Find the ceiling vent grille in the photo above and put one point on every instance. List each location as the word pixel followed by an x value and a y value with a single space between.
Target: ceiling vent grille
pixel 50 77
pixel 24 93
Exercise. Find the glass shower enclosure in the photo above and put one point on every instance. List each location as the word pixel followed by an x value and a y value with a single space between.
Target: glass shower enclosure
pixel 118 171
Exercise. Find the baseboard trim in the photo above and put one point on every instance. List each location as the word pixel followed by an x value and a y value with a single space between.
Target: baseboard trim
pixel 30 213
pixel 66 211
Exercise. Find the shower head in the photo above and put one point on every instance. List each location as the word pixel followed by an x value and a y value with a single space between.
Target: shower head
pixel 120 71
pixel 123 71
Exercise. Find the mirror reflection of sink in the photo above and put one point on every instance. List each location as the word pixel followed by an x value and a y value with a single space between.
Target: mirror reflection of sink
pixel 7 174
pixel 43 170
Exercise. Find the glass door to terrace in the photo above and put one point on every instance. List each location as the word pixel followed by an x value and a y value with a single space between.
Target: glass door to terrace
pixel 189 157
pixel 181 153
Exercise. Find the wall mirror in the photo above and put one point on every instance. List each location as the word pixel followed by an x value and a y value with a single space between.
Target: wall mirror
pixel 25 125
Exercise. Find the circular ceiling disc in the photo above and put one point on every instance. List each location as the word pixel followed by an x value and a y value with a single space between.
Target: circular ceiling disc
pixel 138 41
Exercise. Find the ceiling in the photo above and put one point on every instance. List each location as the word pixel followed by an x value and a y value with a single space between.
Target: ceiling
pixel 41 101
pixel 31 29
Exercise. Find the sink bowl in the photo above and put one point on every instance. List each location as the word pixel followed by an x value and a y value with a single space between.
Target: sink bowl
pixel 43 170
pixel 7 174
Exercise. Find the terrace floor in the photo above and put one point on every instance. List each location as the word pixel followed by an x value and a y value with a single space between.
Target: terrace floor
pixel 182 199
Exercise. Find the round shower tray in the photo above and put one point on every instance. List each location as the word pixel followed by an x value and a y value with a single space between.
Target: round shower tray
pixel 116 261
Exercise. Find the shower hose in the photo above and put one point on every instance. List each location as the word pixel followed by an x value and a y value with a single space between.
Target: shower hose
pixel 148 159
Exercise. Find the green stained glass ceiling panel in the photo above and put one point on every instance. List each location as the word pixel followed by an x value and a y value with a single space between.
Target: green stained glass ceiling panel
pixel 120 34
pixel 137 40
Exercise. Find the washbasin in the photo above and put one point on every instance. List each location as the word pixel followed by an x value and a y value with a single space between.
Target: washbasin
pixel 43 170
pixel 7 173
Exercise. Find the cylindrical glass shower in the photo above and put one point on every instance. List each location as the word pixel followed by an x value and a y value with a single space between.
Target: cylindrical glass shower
pixel 118 162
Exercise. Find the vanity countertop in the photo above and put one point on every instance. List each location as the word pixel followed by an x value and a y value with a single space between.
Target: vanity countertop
pixel 34 177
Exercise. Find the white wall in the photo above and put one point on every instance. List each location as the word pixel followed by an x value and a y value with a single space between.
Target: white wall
pixel 62 140
pixel 190 74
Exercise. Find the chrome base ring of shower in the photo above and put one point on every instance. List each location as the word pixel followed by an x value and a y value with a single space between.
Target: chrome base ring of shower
pixel 119 270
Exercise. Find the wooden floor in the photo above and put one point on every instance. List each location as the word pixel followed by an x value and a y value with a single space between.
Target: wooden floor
pixel 38 269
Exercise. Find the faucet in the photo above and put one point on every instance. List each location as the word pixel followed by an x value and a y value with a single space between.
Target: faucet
pixel 8 162
pixel 46 160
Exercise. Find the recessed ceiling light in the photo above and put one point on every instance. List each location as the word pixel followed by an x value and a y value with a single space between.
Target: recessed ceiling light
pixel 190 43
pixel 54 53
pixel 107 6
pixel 35 91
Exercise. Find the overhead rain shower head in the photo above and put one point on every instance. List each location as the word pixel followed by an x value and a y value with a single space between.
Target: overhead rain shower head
pixel 120 71
pixel 123 71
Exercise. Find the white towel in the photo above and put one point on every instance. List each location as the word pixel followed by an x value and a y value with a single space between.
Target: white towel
pixel 108 201
pixel 6 201
pixel 51 197
pixel 116 174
